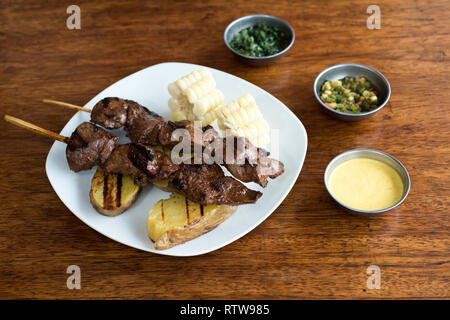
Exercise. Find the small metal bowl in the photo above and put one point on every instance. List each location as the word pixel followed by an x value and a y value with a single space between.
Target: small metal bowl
pixel 375 155
pixel 340 71
pixel 247 21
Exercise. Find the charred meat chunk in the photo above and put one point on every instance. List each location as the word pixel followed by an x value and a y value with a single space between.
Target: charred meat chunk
pixel 243 160
pixel 119 162
pixel 88 146
pixel 155 164
pixel 143 164
pixel 110 113
pixel 197 136
pixel 252 164
pixel 207 184
pixel 143 125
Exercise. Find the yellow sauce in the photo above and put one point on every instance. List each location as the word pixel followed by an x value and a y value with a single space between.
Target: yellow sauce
pixel 366 184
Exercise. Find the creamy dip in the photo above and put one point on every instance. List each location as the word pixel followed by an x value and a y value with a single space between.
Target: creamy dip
pixel 366 184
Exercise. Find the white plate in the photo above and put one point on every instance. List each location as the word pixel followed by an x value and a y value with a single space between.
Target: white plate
pixel 149 88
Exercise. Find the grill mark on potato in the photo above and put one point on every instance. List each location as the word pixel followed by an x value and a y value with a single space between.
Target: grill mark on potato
pixel 119 190
pixel 201 210
pixel 162 211
pixel 105 191
pixel 110 182
pixel 187 209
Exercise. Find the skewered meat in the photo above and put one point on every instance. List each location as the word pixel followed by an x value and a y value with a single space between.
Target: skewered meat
pixel 143 126
pixel 89 145
pixel 110 113
pixel 155 164
pixel 244 161
pixel 143 164
pixel 249 163
pixel 252 164
pixel 198 136
pixel 207 184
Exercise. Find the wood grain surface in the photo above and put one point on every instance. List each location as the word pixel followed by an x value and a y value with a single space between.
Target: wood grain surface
pixel 309 247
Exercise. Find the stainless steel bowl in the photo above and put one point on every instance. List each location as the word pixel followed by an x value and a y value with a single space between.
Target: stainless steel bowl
pixel 247 21
pixel 370 154
pixel 340 71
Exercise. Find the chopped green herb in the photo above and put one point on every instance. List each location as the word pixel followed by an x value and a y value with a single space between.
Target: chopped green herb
pixel 259 40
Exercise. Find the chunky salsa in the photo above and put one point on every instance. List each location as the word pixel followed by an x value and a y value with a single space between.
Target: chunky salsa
pixel 350 95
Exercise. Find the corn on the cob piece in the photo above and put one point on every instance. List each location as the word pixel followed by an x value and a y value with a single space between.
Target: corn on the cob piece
pixel 208 102
pixel 243 118
pixel 238 112
pixel 188 80
pixel 178 87
pixel 210 116
pixel 173 104
pixel 195 97
pixel 200 88
pixel 254 131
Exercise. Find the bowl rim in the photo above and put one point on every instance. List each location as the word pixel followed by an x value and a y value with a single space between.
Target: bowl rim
pixel 356 115
pixel 369 212
pixel 227 29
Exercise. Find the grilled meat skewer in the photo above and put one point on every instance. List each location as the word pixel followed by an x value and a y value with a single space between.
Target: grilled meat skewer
pixel 250 164
pixel 145 127
pixel 90 145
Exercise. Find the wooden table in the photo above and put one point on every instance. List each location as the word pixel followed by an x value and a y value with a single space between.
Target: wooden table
pixel 309 247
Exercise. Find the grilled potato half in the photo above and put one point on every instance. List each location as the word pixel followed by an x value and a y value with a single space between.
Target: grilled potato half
pixel 176 220
pixel 112 194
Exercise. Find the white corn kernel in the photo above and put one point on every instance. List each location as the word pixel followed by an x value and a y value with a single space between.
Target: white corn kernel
pixel 208 102
pixel 243 118
pixel 210 116
pixel 195 97
pixel 200 88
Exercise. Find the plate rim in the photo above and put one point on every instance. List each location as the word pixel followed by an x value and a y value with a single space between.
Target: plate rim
pixel 167 252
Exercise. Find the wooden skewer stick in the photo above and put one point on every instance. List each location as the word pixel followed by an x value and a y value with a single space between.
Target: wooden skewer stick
pixel 67 105
pixel 29 126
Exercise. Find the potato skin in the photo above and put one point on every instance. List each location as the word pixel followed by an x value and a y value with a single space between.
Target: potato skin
pixel 111 212
pixel 178 236
pixel 112 194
